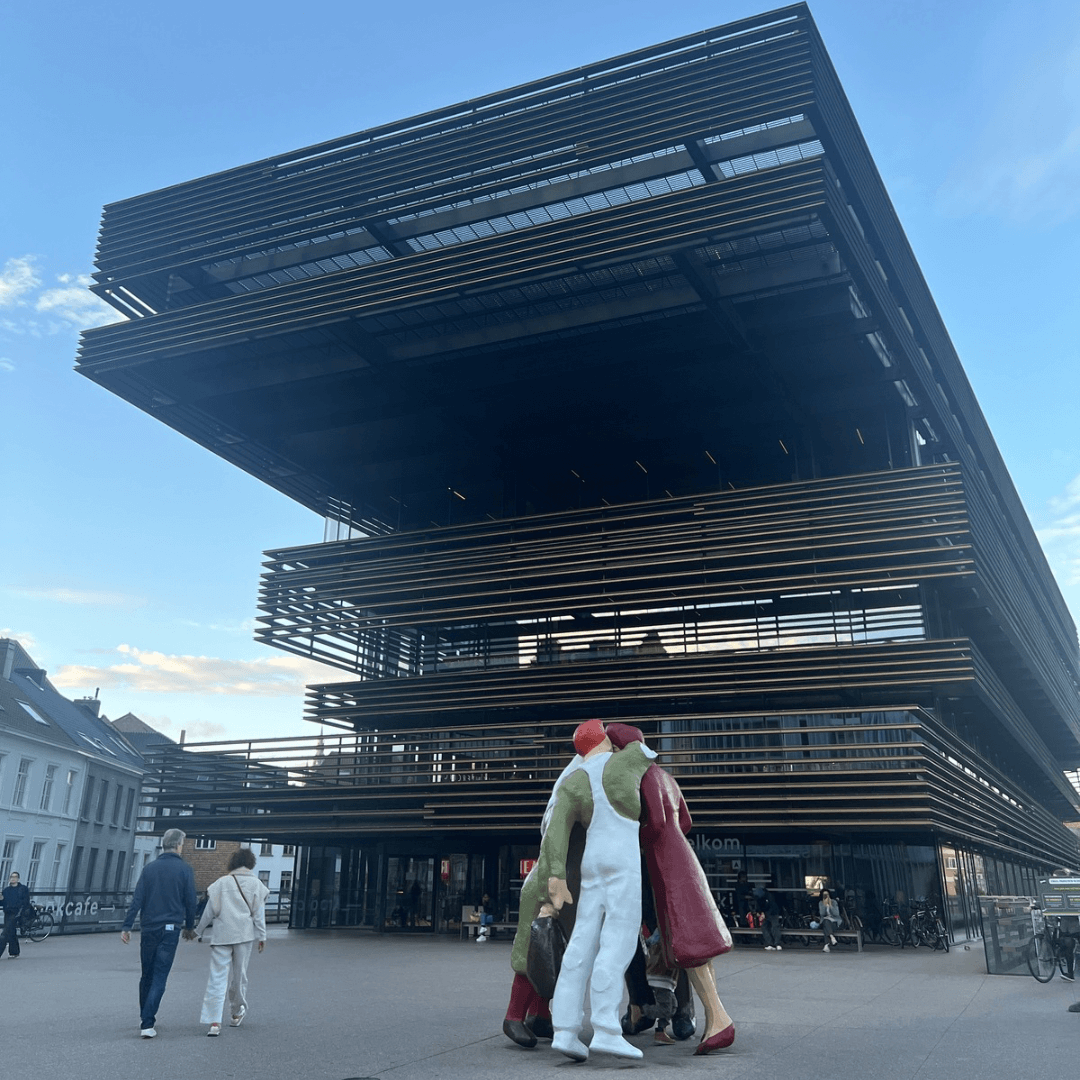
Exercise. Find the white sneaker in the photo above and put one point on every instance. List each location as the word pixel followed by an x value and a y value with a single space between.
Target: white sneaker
pixel 215 1030
pixel 826 949
pixel 238 1019
pixel 779 948
pixel 768 948
pixel 609 1043
pixel 569 1044
pixel 832 940
pixel 148 1033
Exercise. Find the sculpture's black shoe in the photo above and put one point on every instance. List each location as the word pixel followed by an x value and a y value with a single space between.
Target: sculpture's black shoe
pixel 516 1031
pixel 682 1027
pixel 643 1024
pixel 540 1026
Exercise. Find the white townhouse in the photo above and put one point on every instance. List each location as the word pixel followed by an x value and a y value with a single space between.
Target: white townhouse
pixel 69 793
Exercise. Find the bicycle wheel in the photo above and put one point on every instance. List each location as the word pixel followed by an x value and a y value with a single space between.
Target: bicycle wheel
pixel 942 935
pixel 890 931
pixel 915 932
pixel 1041 959
pixel 41 927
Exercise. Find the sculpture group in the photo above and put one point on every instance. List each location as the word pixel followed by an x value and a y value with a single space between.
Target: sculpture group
pixel 612 810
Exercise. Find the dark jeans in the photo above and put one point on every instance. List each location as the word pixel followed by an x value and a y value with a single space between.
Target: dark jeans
pixel 1069 942
pixel 771 932
pixel 9 938
pixel 157 949
pixel 828 928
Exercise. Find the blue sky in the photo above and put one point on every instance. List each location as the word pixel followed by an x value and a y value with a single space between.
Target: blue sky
pixel 129 558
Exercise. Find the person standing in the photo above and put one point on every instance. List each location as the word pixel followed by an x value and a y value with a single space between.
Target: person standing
pixel 165 896
pixel 235 913
pixel 772 933
pixel 829 913
pixel 16 905
pixel 743 892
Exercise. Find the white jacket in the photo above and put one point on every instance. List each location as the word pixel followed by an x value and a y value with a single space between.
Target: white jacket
pixel 235 909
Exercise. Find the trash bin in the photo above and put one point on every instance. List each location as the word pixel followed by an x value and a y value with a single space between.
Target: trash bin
pixel 1007 932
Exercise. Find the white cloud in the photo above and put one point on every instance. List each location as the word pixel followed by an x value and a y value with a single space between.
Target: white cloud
pixel 16 279
pixel 6 364
pixel 194 731
pixel 79 596
pixel 75 303
pixel 23 637
pixel 157 672
pixel 1071 498
pixel 65 306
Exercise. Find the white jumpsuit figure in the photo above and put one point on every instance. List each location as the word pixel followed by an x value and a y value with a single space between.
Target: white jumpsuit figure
pixel 605 929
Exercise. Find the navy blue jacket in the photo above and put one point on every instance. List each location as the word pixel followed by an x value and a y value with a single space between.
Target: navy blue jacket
pixel 165 894
pixel 16 899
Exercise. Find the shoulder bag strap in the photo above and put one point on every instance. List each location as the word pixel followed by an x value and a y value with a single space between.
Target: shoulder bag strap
pixel 243 894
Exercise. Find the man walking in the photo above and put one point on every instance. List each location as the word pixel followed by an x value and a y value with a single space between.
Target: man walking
pixel 165 894
pixel 16 905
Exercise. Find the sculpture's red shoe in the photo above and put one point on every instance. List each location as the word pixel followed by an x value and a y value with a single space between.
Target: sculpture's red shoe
pixel 717 1041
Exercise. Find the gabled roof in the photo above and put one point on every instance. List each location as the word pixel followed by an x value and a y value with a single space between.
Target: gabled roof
pixel 27 686
pixel 140 734
pixel 15 718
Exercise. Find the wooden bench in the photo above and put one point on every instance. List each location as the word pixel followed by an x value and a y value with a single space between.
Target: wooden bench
pixel 789 933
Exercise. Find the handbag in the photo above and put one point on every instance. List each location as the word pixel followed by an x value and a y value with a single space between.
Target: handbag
pixel 547 943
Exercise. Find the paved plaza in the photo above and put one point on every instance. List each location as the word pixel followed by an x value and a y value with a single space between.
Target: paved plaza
pixel 337 1004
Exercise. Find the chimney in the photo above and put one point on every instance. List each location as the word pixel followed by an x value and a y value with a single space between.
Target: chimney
pixel 7 658
pixel 90 705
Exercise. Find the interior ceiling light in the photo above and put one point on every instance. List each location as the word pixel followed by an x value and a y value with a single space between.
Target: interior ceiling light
pixel 641 467
pixel 783 447
pixel 710 457
pixel 861 439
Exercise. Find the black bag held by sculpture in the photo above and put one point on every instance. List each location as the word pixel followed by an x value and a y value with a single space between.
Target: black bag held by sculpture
pixel 547 941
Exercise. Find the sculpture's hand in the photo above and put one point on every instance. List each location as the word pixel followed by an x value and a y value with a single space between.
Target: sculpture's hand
pixel 559 893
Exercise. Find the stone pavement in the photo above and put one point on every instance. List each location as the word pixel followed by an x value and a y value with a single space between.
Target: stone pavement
pixel 332 1005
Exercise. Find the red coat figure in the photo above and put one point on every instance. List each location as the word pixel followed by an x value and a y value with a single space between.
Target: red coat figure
pixel 691 928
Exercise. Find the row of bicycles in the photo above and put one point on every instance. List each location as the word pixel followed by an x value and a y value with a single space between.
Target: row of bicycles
pixel 921 925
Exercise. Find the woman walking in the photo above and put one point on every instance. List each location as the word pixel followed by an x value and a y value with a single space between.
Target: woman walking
pixel 829 913
pixel 236 917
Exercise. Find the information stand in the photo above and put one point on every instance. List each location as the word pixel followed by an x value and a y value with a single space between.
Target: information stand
pixel 1060 895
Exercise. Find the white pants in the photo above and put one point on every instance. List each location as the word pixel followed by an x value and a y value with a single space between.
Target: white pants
pixel 597 955
pixel 608 919
pixel 228 972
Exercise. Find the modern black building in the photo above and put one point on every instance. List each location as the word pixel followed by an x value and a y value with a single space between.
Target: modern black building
pixel 623 395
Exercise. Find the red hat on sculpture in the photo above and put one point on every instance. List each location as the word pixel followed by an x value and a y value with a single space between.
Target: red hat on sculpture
pixel 588 736
pixel 622 735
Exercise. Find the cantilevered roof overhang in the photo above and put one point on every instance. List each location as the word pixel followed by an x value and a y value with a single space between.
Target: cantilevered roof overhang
pixel 671 272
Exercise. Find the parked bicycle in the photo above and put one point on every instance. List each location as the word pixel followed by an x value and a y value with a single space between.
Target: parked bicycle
pixel 893 929
pixel 926 928
pixel 1049 949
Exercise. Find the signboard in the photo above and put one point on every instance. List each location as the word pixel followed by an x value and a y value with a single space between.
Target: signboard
pixel 524 867
pixel 1060 895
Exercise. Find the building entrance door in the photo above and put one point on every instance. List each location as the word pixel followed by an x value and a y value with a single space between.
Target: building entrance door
pixel 410 889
